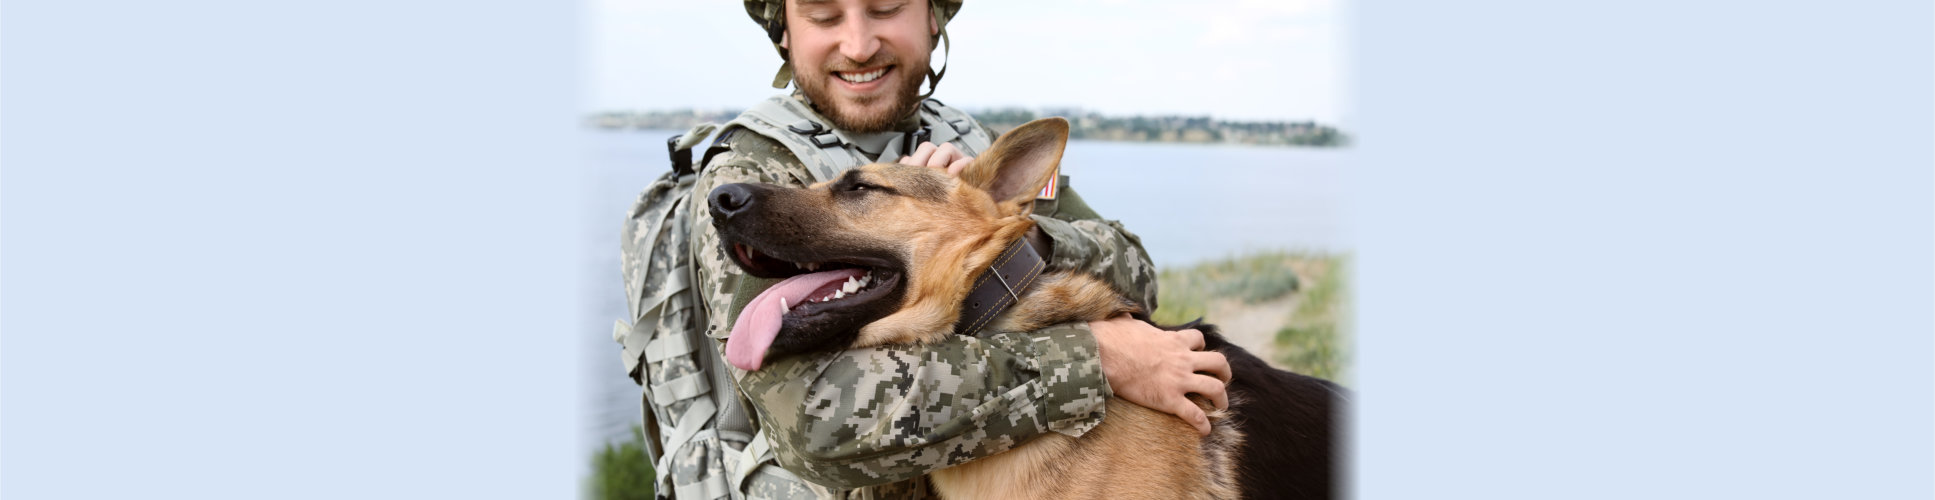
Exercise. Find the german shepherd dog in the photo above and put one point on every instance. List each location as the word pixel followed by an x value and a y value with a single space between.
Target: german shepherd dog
pixel 887 253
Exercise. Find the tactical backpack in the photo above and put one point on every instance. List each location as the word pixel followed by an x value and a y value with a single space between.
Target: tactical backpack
pixel 701 438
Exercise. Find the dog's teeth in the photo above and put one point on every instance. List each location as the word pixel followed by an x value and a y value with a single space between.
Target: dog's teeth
pixel 851 286
pixel 782 305
pixel 839 295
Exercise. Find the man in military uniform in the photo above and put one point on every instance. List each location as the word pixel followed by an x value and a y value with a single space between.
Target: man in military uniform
pixel 870 423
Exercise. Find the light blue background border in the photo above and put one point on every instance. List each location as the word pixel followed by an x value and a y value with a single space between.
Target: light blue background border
pixel 1654 249
pixel 1611 250
pixel 289 250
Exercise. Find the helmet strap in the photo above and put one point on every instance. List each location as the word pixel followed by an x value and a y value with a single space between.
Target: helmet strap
pixel 784 76
pixel 934 77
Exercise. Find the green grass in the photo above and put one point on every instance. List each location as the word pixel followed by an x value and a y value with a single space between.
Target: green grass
pixel 1309 340
pixel 622 472
pixel 1311 343
pixel 1184 293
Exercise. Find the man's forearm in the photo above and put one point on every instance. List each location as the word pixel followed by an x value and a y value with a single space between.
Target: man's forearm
pixel 871 416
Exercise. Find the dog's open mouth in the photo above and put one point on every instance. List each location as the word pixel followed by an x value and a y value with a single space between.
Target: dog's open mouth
pixel 818 302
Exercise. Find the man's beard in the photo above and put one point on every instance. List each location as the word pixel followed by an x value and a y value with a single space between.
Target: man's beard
pixel 856 120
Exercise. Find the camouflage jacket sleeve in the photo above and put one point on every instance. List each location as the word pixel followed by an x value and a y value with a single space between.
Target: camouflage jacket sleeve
pixel 886 415
pixel 1084 241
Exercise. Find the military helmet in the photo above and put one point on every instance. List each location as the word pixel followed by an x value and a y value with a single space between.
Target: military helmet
pixel 771 16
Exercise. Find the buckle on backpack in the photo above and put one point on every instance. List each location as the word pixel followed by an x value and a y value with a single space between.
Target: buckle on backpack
pixel 914 139
pixel 806 127
pixel 681 158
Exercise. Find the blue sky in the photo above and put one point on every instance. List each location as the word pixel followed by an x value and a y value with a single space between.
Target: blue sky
pixel 1243 59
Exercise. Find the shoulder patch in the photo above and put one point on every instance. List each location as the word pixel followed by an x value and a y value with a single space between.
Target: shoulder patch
pixel 1054 182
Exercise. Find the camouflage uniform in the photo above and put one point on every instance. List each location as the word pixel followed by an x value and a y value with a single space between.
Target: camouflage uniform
pixel 870 423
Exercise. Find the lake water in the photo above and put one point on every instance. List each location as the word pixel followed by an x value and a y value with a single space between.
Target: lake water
pixel 1188 202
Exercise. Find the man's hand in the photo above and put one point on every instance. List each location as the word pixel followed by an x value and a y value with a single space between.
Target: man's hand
pixel 1157 369
pixel 945 156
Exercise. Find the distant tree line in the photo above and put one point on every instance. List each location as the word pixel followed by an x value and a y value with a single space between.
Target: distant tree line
pixel 1200 129
pixel 1083 125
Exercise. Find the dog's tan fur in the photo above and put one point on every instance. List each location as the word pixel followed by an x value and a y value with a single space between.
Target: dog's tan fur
pixel 947 231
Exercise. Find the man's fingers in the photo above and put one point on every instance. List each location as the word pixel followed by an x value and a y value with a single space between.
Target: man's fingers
pixel 1211 362
pixel 1194 337
pixel 1210 388
pixel 955 168
pixel 944 155
pixel 1192 414
pixel 920 156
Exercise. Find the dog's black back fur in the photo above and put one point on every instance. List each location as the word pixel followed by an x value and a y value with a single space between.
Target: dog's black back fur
pixel 1288 422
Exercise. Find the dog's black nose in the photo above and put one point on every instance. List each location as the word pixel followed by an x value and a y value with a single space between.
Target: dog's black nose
pixel 730 200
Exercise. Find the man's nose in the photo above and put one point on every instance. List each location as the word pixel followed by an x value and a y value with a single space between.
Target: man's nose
pixel 730 200
pixel 857 41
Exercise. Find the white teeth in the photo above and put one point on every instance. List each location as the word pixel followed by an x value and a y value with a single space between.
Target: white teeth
pixel 782 305
pixel 862 77
pixel 851 286
pixel 812 266
pixel 839 295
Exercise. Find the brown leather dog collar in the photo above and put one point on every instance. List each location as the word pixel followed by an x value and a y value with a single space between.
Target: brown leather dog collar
pixel 999 286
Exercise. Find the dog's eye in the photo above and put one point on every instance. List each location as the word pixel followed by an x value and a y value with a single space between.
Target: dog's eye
pixel 861 186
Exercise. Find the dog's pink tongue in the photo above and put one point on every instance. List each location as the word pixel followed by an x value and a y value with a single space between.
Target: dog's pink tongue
pixel 759 323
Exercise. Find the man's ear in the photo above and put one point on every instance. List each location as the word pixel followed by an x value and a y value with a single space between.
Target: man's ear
pixel 1021 162
pixel 782 41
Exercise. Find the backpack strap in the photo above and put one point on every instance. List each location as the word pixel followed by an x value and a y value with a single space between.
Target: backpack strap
pixel 826 152
pixel 789 121
pixel 656 214
pixel 953 125
pixel 664 349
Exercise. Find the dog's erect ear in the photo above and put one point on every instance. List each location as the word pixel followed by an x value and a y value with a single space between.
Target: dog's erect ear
pixel 1021 162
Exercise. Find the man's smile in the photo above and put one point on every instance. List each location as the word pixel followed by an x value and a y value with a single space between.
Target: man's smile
pixel 863 79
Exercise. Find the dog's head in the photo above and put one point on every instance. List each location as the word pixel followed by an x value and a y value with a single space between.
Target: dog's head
pixel 881 255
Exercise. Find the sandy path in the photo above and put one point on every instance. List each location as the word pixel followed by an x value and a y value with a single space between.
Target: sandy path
pixel 1253 326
